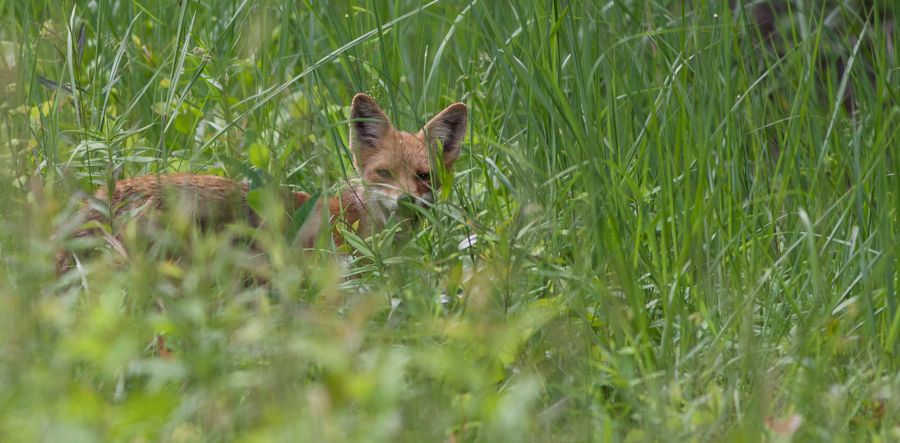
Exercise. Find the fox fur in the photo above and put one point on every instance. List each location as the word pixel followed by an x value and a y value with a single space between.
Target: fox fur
pixel 393 165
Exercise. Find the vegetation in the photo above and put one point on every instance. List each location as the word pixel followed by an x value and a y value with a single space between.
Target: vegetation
pixel 665 225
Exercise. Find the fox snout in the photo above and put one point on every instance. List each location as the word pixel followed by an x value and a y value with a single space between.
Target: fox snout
pixel 387 201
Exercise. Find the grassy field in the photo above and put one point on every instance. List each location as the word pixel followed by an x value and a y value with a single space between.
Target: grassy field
pixel 678 230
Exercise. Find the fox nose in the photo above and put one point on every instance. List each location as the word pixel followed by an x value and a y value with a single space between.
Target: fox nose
pixel 405 200
pixel 408 207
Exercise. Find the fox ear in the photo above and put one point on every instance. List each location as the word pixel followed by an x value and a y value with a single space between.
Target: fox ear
pixel 448 128
pixel 368 122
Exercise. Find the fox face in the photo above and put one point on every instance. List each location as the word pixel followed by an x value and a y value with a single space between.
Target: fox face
pixel 396 165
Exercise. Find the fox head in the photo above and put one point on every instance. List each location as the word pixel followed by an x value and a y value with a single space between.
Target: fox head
pixel 397 165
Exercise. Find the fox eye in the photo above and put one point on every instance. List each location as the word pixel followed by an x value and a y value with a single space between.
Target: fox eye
pixel 384 173
pixel 424 176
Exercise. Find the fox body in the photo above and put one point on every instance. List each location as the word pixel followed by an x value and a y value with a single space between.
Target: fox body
pixel 393 165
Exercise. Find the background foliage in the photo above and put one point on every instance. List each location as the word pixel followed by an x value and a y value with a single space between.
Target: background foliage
pixel 669 223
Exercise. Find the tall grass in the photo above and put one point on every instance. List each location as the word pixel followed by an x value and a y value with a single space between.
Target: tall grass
pixel 662 227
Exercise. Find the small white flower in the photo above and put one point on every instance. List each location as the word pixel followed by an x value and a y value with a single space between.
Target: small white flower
pixel 468 242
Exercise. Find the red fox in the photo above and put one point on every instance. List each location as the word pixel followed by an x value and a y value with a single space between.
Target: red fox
pixel 392 165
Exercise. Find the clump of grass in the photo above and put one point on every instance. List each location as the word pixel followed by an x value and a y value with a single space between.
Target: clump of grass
pixel 662 226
